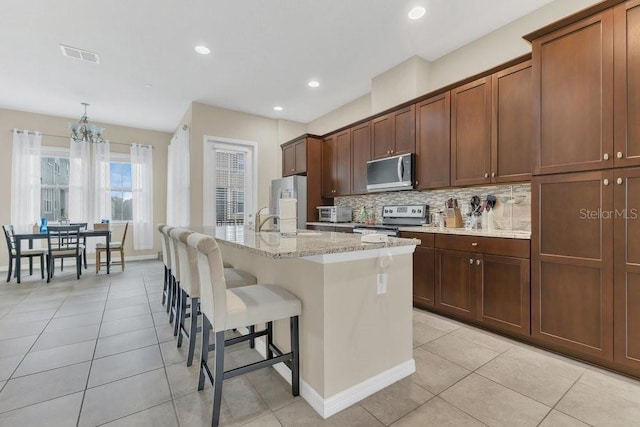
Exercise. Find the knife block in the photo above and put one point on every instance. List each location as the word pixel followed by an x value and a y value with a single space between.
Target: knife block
pixel 454 218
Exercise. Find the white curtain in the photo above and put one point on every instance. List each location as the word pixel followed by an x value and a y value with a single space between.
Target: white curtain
pixel 101 182
pixel 25 180
pixel 142 188
pixel 178 181
pixel 79 182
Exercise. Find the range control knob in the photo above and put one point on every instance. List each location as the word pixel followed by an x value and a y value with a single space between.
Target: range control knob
pixel 419 210
pixel 413 211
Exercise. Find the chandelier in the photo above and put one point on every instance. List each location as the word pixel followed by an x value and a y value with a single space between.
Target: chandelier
pixel 83 131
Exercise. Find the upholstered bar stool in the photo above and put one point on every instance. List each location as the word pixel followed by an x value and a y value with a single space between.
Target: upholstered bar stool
pixel 223 309
pixel 172 268
pixel 189 296
pixel 166 261
pixel 176 289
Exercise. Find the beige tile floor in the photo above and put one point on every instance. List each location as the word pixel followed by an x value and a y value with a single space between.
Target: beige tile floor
pixel 100 351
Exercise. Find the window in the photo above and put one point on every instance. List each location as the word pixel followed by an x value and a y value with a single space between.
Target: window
pixel 54 186
pixel 230 183
pixel 121 192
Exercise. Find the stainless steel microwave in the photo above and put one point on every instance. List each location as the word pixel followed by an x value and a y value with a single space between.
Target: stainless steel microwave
pixel 334 214
pixel 390 173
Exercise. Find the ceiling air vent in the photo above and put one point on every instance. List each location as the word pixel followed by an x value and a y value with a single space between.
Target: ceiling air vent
pixel 83 55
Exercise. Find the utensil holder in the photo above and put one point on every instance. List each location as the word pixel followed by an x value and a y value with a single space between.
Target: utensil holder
pixel 454 218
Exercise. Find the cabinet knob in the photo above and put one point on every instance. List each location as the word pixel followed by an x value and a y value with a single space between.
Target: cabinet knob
pixel 416 182
pixel 619 154
pixel 391 151
pixel 477 262
pixel 293 170
pixel 619 181
pixel 606 156
pixel 474 243
pixel 470 260
pixel 486 175
pixel 493 174
pixel 605 181
pixel 388 152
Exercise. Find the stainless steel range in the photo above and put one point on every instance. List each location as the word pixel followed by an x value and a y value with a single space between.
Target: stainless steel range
pixel 394 217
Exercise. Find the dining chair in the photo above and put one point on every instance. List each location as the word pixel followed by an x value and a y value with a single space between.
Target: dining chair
pixel 113 247
pixel 83 227
pixel 224 309
pixel 27 253
pixel 63 241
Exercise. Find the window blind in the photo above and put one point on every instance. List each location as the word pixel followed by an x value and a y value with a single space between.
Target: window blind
pixel 230 186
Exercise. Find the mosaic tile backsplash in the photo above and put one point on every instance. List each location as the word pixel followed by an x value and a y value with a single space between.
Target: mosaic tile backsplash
pixel 511 212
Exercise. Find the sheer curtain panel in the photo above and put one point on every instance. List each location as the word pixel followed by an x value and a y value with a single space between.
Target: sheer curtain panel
pixel 178 180
pixel 142 189
pixel 79 182
pixel 101 181
pixel 25 180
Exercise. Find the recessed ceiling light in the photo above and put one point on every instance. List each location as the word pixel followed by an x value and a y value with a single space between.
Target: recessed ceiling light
pixel 202 50
pixel 278 108
pixel 148 85
pixel 313 83
pixel 417 12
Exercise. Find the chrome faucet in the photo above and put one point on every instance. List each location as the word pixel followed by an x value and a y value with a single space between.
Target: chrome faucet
pixel 264 221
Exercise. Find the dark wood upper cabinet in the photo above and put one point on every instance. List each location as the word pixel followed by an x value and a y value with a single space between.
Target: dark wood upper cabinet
pixel 360 154
pixel 336 164
pixel 471 133
pixel 573 97
pixel 433 149
pixel 394 133
pixel 627 83
pixel 627 268
pixel 572 262
pixel 512 124
pixel 294 158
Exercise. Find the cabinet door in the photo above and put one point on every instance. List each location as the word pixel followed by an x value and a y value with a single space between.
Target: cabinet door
pixel 342 164
pixel 300 157
pixel 382 136
pixel 627 83
pixel 503 293
pixel 627 267
pixel 573 97
pixel 404 131
pixel 454 283
pixel 433 142
pixel 471 133
pixel 360 154
pixel 423 276
pixel 511 124
pixel 572 262
pixel 288 160
pixel 328 155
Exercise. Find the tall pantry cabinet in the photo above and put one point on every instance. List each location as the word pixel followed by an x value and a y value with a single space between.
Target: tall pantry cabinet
pixel 585 275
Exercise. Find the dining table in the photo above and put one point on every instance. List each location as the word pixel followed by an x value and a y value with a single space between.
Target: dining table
pixel 30 237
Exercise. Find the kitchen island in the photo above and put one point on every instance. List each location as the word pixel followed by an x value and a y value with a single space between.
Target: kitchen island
pixel 355 332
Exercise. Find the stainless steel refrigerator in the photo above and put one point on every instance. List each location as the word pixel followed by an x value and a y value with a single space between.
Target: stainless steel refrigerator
pixel 295 187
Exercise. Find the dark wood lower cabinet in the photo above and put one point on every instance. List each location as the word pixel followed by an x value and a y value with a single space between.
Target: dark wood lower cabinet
pixel 504 294
pixel 455 283
pixel 423 269
pixel 489 284
pixel 626 285
pixel 572 262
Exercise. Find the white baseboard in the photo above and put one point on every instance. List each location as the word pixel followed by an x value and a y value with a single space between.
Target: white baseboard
pixel 90 261
pixel 344 399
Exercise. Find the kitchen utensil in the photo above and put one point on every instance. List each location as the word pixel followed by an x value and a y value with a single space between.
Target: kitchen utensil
pixel 491 201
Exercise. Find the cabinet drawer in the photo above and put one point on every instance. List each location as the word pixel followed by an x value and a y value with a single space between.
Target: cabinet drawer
pixel 427 239
pixel 519 248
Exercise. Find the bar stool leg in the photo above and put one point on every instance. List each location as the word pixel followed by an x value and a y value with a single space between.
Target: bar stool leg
pixel 193 330
pixel 295 362
pixel 218 378
pixel 182 313
pixel 169 291
pixel 269 339
pixel 175 310
pixel 204 353
pixel 164 286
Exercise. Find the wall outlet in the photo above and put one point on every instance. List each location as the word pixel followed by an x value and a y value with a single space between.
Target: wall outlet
pixel 381 284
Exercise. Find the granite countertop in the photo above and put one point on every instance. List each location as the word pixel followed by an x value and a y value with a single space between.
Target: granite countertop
pixel 305 243
pixel 507 234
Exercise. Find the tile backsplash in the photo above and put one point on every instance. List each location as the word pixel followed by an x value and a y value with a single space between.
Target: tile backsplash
pixel 513 215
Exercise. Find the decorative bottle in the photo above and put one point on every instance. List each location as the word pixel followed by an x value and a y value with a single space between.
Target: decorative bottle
pixel 43 225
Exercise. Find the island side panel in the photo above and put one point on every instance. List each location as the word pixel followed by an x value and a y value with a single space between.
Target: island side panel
pixel 366 334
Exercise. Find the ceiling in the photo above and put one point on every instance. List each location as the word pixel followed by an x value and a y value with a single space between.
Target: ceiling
pixel 263 53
